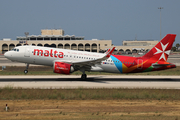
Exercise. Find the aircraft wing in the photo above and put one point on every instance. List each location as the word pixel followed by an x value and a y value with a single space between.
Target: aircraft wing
pixel 96 61
pixel 88 63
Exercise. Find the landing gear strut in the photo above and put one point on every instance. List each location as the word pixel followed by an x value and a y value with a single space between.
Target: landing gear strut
pixel 83 76
pixel 26 70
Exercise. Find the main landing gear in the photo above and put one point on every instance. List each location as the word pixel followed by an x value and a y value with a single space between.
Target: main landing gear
pixel 83 76
pixel 26 70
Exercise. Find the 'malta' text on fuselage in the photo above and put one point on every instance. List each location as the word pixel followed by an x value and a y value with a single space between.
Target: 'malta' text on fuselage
pixel 48 53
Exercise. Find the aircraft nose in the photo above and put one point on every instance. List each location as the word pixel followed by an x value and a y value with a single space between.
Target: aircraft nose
pixel 7 54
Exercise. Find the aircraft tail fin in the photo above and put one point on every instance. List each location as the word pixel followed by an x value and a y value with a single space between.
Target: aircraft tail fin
pixel 162 49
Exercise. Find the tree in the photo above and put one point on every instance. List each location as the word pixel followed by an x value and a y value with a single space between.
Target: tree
pixel 177 46
pixel 173 49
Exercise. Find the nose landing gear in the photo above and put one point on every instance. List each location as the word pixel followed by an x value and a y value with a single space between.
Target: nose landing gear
pixel 26 70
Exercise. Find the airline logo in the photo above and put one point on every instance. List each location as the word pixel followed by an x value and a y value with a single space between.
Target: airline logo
pixel 162 50
pixel 48 53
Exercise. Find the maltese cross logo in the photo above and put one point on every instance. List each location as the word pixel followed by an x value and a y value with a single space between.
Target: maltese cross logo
pixel 164 54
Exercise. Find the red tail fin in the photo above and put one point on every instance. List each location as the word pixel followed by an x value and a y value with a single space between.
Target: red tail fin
pixel 161 51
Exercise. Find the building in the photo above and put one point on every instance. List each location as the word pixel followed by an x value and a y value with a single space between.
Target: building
pixel 135 46
pixel 56 38
pixel 52 32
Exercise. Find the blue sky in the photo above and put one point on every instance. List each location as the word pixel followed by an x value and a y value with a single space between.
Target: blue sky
pixel 115 20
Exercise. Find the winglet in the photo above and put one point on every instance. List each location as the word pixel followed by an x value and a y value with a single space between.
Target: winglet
pixel 109 52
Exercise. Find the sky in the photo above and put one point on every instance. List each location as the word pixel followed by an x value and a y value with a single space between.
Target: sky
pixel 115 20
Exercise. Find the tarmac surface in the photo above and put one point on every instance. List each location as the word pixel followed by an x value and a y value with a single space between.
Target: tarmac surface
pixel 93 81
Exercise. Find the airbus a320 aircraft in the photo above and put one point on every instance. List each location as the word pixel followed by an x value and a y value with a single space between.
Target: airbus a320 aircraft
pixel 66 61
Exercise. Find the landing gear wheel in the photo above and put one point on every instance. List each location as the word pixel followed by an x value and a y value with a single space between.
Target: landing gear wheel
pixel 83 76
pixel 25 71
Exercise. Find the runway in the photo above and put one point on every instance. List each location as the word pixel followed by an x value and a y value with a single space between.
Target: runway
pixel 93 81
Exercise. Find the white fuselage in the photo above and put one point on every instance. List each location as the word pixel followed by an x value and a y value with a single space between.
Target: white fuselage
pixel 47 56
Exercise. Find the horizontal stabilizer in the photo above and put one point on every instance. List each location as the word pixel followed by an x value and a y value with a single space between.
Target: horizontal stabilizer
pixel 159 65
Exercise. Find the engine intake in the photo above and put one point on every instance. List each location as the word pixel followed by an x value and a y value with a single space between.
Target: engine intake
pixel 63 68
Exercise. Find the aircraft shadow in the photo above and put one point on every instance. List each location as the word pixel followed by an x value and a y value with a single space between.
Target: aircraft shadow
pixel 90 79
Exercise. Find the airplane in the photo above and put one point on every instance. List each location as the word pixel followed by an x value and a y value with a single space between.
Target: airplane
pixel 66 61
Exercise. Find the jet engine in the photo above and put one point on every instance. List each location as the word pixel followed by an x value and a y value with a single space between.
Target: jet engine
pixel 63 68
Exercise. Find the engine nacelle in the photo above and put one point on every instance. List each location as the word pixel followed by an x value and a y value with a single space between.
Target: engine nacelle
pixel 63 68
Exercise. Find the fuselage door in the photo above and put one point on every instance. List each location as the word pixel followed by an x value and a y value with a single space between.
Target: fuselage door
pixel 27 52
pixel 140 64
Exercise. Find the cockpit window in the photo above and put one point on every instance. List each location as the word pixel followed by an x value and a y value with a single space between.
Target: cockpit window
pixel 14 49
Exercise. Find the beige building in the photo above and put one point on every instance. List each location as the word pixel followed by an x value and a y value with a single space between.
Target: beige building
pixel 57 39
pixel 140 43
pixel 52 32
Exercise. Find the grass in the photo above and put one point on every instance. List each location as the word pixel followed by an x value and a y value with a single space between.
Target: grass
pixel 42 70
pixel 90 109
pixel 89 94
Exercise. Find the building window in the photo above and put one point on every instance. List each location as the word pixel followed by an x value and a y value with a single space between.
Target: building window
pixel 46 39
pixel 67 38
pixel 60 38
pixel 32 38
pixel 39 38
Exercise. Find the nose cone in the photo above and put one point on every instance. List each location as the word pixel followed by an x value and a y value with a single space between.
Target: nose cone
pixel 7 55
